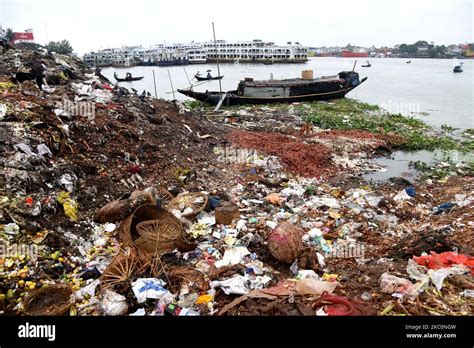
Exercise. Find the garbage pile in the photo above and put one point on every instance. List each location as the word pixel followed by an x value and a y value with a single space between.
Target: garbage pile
pixel 140 210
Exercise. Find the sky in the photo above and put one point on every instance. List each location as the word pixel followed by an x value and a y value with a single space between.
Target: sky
pixel 93 24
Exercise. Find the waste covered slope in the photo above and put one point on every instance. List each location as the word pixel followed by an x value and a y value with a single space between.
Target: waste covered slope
pixel 116 142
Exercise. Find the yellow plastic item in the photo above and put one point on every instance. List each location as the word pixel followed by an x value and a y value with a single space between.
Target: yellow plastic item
pixel 330 277
pixel 70 205
pixel 204 299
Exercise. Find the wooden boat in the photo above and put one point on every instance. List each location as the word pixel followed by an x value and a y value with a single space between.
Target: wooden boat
pixel 366 65
pixel 128 78
pixel 282 91
pixel 458 68
pixel 409 62
pixel 200 78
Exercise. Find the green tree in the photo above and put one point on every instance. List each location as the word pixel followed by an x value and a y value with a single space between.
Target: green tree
pixel 9 35
pixel 61 47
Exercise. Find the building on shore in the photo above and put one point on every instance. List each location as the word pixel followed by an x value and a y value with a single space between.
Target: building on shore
pixel 198 53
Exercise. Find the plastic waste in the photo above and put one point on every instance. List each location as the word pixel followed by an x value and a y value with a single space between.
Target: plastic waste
pixel 390 284
pixel 311 286
pixel 232 256
pixel 3 111
pixel 148 288
pixel 175 310
pixel 443 208
pixel 444 260
pixel 405 194
pixel 70 205
pixel 11 229
pixel 67 181
pixel 237 285
pixel 114 304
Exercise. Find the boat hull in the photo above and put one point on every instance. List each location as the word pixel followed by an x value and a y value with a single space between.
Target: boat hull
pixel 208 79
pixel 129 80
pixel 233 98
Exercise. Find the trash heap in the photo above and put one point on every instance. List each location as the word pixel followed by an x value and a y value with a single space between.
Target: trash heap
pixel 139 211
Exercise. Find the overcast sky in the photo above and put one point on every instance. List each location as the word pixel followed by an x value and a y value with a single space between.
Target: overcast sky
pixel 94 24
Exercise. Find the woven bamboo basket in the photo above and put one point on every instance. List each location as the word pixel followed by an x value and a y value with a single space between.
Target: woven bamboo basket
pixel 164 195
pixel 158 237
pixel 120 270
pixel 196 202
pixel 226 212
pixel 127 232
pixel 185 275
pixel 50 300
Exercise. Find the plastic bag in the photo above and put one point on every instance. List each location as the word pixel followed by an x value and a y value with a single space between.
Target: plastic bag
pixel 311 286
pixel 148 288
pixel 70 205
pixel 114 304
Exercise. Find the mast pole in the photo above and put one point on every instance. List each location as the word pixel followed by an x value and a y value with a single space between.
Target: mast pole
pixel 217 58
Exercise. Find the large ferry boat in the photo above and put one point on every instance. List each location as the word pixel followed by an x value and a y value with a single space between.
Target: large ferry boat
pixel 255 51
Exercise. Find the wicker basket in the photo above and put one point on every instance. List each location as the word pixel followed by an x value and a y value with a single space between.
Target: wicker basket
pixel 128 233
pixel 120 270
pixel 158 237
pixel 185 275
pixel 226 212
pixel 50 300
pixel 183 202
pixel 164 195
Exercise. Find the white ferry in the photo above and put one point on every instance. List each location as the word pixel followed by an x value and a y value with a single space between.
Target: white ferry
pixel 255 51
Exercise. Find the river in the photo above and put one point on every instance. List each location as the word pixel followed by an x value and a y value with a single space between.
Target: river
pixel 427 88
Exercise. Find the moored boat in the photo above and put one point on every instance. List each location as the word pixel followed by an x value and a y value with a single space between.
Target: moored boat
pixel 208 78
pixel 458 68
pixel 128 78
pixel 282 91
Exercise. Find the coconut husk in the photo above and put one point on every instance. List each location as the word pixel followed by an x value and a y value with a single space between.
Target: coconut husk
pixel 285 242
pixel 119 209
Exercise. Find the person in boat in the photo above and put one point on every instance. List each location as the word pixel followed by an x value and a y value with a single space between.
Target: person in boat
pixel 209 76
pixel 128 76
pixel 198 73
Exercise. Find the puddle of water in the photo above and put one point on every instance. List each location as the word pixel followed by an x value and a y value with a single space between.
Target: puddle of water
pixel 398 164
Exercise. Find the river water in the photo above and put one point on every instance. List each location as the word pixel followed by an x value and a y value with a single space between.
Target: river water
pixel 427 88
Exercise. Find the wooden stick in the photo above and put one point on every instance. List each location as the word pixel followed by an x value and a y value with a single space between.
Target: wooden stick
pixel 171 82
pixel 190 84
pixel 154 82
